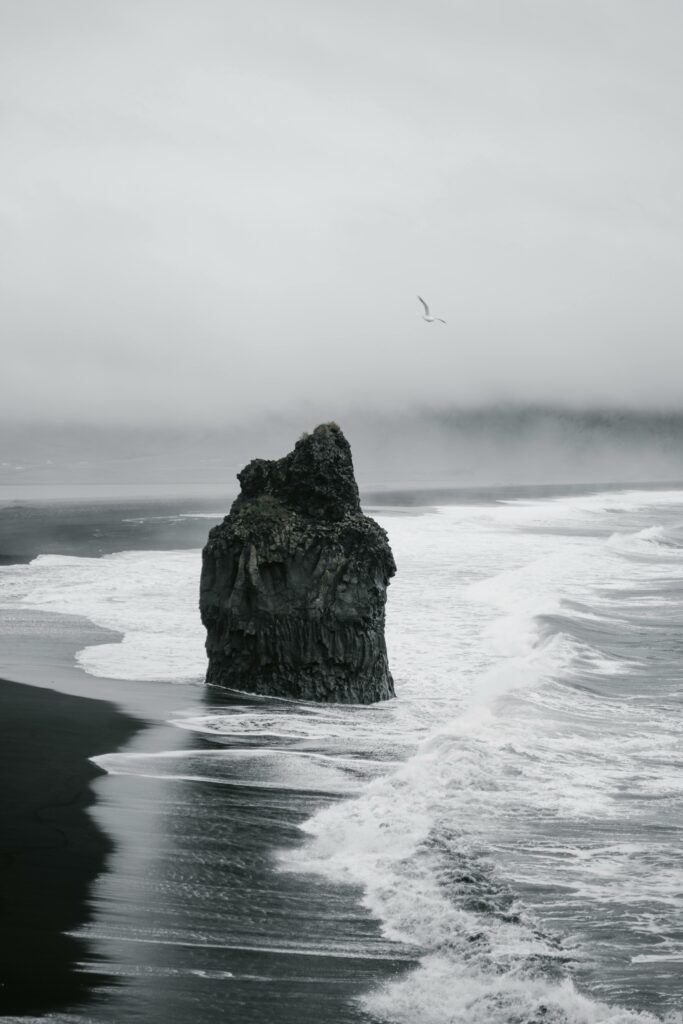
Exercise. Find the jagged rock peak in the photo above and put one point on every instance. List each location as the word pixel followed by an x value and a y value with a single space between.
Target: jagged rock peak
pixel 316 478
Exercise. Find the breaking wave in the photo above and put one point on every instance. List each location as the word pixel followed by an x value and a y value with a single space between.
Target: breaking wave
pixel 509 818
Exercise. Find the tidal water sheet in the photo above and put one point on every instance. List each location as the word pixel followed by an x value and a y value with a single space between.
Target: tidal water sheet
pixel 514 819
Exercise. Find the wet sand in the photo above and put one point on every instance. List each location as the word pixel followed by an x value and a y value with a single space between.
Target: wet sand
pixel 51 850
pixel 168 887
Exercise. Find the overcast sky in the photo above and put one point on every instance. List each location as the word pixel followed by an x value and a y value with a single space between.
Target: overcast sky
pixel 212 209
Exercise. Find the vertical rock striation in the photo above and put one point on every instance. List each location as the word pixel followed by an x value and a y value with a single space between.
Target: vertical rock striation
pixel 294 581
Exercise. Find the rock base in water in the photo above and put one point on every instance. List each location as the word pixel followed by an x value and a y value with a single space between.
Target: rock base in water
pixel 294 581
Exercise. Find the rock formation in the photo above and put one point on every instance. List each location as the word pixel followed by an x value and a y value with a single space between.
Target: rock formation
pixel 294 581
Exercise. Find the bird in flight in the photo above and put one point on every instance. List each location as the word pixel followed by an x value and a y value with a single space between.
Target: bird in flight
pixel 427 315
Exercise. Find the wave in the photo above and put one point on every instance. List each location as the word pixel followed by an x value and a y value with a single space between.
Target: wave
pixel 422 844
pixel 457 851
pixel 150 597
pixel 444 991
pixel 538 752
pixel 651 542
pixel 302 771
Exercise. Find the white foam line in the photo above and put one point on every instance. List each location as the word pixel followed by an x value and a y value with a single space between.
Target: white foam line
pixel 228 753
pixel 339 786
pixel 202 515
pixel 207 731
pixel 280 951
pixel 649 958
pixel 291 787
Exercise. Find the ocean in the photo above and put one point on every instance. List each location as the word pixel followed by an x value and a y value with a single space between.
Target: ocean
pixel 501 844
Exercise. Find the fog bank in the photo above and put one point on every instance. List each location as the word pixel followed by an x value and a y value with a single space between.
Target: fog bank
pixel 438 447
pixel 212 212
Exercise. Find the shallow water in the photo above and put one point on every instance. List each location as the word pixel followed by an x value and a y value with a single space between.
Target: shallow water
pixel 500 844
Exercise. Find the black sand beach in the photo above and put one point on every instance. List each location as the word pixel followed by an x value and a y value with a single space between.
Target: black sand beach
pixel 167 887
pixel 50 846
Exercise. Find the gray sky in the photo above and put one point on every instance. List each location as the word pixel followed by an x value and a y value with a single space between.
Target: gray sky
pixel 209 210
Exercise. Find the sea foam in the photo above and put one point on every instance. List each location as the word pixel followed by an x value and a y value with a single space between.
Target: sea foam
pixel 150 597
pixel 508 817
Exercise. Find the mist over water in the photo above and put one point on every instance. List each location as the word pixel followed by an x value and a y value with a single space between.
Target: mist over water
pixel 503 445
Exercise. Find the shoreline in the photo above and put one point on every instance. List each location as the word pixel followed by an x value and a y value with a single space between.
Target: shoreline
pixel 154 840
pixel 177 908
pixel 51 848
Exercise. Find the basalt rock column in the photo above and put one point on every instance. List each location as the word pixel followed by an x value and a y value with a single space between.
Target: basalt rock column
pixel 294 581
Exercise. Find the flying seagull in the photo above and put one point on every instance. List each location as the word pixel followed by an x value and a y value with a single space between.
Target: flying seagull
pixel 428 316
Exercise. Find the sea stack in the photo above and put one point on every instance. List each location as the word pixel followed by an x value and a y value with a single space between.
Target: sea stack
pixel 294 581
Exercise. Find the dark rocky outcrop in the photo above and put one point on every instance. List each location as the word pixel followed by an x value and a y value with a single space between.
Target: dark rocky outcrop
pixel 294 581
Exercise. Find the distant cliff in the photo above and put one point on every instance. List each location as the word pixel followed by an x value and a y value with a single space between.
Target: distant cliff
pixel 294 581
